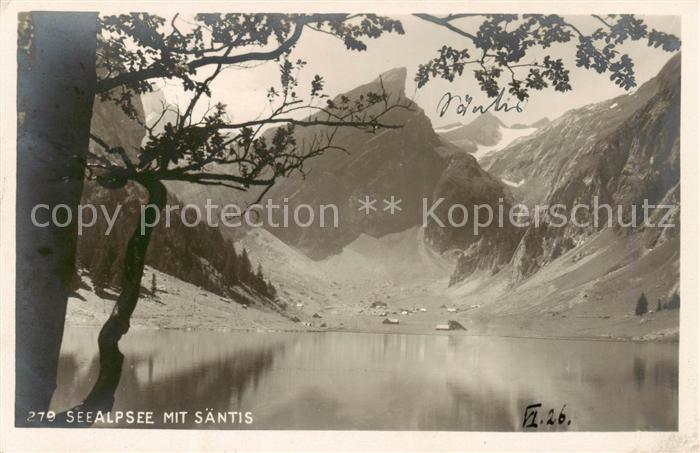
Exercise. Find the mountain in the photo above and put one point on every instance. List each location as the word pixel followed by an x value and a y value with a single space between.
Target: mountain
pixel 413 164
pixel 542 122
pixel 465 183
pixel 484 130
pixel 403 163
pixel 620 152
pixel 485 134
pixel 552 152
pixel 366 268
pixel 199 255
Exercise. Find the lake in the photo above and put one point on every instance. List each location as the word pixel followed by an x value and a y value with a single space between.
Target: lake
pixel 364 381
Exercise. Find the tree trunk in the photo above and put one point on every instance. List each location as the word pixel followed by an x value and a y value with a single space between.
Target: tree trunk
pixel 101 396
pixel 55 92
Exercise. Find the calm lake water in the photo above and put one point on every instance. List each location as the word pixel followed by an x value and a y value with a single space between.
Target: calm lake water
pixel 383 381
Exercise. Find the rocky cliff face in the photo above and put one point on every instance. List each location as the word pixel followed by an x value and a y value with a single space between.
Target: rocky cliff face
pixel 465 183
pixel 552 154
pixel 619 152
pixel 404 163
pixel 413 164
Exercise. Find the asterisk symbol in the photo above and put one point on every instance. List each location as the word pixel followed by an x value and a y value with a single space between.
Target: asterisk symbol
pixel 392 205
pixel 367 205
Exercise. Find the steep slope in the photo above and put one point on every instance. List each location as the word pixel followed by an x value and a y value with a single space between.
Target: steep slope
pixel 301 280
pixel 404 163
pixel 552 152
pixel 412 164
pixel 638 161
pixel 199 255
pixel 589 291
pixel 619 152
pixel 176 305
pixel 464 183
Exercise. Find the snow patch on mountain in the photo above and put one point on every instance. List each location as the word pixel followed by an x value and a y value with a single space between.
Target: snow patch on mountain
pixel 508 136
pixel 512 183
pixel 486 134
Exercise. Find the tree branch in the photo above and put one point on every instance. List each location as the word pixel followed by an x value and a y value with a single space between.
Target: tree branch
pixel 156 71
pixel 160 71
pixel 446 23
pixel 310 122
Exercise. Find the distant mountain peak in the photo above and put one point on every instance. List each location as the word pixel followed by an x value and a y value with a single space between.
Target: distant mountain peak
pixel 395 75
pixel 487 118
pixel 537 124
pixel 485 129
pixel 541 122
pixel 393 80
pixel 404 162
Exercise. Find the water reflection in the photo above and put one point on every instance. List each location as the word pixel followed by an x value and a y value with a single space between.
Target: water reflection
pixel 385 381
pixel 640 368
pixel 186 377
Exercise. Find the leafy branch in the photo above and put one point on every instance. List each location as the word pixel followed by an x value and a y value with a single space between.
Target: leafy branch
pixel 210 150
pixel 501 44
pixel 136 48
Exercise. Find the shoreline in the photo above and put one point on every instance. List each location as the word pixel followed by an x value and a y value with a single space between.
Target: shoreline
pixel 657 340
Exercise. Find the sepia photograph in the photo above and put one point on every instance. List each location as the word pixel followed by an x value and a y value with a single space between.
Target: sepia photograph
pixel 286 218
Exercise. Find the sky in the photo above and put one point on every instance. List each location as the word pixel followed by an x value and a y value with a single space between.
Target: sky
pixel 243 89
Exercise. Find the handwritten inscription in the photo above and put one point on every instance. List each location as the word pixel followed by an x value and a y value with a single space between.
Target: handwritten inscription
pixel 461 104
pixel 533 419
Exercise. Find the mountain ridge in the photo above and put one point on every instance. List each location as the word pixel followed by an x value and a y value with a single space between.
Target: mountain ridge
pixel 621 151
pixel 413 164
